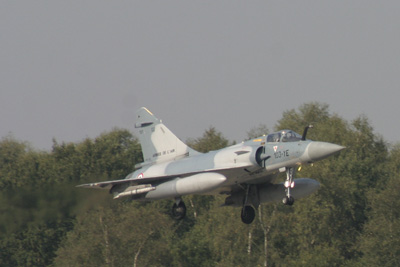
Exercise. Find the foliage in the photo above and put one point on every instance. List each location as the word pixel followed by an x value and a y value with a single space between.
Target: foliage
pixel 258 131
pixel 211 140
pixel 352 220
pixel 122 235
pixel 38 195
pixel 380 242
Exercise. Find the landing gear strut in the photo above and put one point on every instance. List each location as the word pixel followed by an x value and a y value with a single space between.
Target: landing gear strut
pixel 248 213
pixel 179 209
pixel 288 199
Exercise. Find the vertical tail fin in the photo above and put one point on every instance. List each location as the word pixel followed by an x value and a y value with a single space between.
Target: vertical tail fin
pixel 158 143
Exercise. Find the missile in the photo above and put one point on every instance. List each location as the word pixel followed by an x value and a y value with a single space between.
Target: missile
pixel 135 190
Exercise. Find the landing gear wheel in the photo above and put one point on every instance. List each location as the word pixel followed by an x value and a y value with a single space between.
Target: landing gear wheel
pixel 288 200
pixel 248 214
pixel 179 211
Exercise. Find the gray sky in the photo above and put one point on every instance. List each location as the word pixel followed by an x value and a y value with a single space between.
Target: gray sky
pixel 75 69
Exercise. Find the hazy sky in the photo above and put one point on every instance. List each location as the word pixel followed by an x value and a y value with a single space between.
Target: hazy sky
pixel 75 69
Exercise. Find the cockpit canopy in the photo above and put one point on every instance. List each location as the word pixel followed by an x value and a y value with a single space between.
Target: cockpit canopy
pixel 283 136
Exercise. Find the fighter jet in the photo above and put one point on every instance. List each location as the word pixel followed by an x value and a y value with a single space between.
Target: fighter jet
pixel 245 172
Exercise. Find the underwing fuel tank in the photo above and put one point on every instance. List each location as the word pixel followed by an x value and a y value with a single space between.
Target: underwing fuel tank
pixel 195 184
pixel 275 192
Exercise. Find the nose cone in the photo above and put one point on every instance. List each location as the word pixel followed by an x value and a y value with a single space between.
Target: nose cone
pixel 320 150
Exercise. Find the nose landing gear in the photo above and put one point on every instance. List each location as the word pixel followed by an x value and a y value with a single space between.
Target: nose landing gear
pixel 288 200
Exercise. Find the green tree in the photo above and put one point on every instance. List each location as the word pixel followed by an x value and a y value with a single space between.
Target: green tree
pixel 351 220
pixel 34 245
pixel 211 140
pixel 218 238
pixel 120 235
pixel 38 196
pixel 258 131
pixel 380 241
pixel 331 220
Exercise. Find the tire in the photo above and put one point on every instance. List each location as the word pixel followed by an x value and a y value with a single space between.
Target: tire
pixel 179 211
pixel 248 214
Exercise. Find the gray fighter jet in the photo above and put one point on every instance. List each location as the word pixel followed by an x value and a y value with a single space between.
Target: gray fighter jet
pixel 244 172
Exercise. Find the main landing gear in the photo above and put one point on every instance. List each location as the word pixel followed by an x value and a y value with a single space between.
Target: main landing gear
pixel 289 184
pixel 248 214
pixel 179 209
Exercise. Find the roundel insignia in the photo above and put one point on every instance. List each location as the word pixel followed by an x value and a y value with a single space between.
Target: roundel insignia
pixel 140 175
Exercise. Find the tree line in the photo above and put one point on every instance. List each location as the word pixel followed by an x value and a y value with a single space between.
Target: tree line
pixel 353 220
